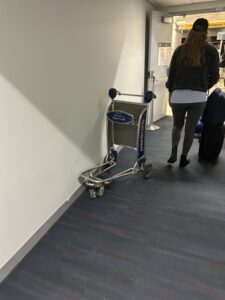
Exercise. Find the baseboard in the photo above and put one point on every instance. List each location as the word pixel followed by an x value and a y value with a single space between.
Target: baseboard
pixel 22 252
pixel 16 259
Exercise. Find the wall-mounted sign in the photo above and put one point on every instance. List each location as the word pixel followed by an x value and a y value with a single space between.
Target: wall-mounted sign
pixel 164 54
pixel 167 19
pixel 220 36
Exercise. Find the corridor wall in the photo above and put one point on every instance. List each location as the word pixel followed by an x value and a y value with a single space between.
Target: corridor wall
pixel 58 60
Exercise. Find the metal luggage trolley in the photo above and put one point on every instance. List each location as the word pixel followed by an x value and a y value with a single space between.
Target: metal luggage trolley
pixel 126 122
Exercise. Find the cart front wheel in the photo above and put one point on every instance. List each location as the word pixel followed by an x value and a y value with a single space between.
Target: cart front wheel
pixel 112 156
pixel 81 180
pixel 147 171
pixel 101 190
pixel 92 193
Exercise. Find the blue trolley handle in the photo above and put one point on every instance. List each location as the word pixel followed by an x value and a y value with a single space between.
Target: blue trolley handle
pixel 148 96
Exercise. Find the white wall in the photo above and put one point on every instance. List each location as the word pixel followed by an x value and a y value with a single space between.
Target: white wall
pixel 57 61
pixel 176 37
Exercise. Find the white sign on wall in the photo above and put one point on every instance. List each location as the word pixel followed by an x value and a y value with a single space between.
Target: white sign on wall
pixel 221 36
pixel 164 54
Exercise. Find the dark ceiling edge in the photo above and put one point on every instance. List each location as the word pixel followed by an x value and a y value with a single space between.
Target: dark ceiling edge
pixel 153 3
pixel 192 8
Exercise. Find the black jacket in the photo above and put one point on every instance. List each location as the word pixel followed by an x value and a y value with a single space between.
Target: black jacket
pixel 201 78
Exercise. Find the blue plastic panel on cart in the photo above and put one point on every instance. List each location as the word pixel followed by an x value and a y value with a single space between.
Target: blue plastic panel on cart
pixel 120 117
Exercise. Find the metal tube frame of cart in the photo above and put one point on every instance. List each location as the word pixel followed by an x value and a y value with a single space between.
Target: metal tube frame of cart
pixel 126 122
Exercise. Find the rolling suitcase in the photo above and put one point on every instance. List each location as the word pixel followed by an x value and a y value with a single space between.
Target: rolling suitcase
pixel 213 130
pixel 211 142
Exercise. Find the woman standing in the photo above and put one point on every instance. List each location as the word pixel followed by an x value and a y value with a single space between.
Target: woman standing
pixel 194 69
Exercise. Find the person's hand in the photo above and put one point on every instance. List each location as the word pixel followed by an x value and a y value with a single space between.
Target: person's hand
pixel 170 94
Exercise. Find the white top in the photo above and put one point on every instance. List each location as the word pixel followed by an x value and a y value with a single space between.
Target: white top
pixel 188 96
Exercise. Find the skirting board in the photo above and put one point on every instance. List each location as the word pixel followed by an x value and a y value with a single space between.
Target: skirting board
pixel 22 252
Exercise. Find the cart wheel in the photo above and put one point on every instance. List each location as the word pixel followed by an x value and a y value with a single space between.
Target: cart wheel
pixel 81 180
pixel 92 193
pixel 110 156
pixel 106 159
pixel 147 171
pixel 100 191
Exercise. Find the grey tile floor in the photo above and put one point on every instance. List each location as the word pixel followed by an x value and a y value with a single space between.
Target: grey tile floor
pixel 156 239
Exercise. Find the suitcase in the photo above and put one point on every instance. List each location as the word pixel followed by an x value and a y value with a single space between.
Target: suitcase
pixel 212 129
pixel 214 112
pixel 211 142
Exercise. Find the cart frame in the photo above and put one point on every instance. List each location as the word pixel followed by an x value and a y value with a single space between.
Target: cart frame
pixel 126 123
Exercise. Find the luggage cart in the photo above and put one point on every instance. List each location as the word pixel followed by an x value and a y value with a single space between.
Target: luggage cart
pixel 126 122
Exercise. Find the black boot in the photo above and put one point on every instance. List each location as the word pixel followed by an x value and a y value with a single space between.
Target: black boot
pixel 184 161
pixel 173 156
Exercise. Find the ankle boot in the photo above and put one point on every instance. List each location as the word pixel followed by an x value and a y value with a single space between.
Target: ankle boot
pixel 184 161
pixel 173 156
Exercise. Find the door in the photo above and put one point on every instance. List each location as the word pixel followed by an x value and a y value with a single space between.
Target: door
pixel 159 59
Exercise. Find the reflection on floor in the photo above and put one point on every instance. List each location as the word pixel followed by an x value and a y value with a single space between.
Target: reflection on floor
pixel 156 239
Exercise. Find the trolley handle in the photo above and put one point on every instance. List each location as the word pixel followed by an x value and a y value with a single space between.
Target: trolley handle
pixel 148 96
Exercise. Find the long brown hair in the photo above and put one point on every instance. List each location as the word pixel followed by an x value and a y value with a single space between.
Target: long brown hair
pixel 193 50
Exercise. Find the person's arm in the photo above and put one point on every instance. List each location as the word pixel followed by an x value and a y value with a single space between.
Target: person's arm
pixel 169 100
pixel 213 71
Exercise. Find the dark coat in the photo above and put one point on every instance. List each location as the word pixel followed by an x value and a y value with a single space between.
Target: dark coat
pixel 201 78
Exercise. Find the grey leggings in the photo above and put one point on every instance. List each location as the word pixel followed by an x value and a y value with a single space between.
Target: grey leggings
pixel 194 111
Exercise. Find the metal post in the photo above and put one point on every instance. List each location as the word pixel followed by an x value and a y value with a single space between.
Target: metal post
pixel 150 124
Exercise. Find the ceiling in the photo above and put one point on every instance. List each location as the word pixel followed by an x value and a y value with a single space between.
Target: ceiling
pixel 179 7
pixel 179 2
pixel 218 16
